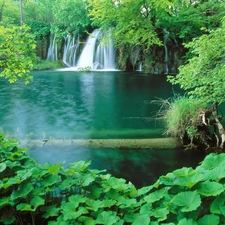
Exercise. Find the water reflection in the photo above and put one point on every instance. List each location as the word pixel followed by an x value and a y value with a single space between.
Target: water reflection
pixel 141 167
pixel 81 105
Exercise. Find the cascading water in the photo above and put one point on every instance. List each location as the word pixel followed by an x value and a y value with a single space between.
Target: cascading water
pixel 166 34
pixel 70 50
pixel 87 55
pixel 52 50
pixel 97 54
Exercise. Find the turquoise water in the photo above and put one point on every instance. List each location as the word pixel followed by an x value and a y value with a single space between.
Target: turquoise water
pixel 71 104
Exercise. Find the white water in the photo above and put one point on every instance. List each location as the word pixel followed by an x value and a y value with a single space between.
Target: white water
pixel 87 55
pixel 52 50
pixel 70 50
pixel 96 54
pixel 166 34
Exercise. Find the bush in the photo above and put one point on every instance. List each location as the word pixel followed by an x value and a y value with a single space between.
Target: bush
pixel 50 194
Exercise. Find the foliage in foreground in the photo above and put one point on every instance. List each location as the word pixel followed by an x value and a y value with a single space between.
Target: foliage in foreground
pixel 49 194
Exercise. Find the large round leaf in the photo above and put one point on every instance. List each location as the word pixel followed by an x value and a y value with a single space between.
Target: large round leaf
pixel 189 200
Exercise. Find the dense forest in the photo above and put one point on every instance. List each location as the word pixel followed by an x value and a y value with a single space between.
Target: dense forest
pixel 147 32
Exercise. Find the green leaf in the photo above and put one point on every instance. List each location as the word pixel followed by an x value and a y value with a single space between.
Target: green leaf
pixel 70 213
pixel 186 221
pixel 49 180
pixel 87 220
pixel 6 201
pixel 94 204
pixel 2 167
pixel 217 206
pixel 142 219
pixel 35 202
pixel 156 195
pixel 209 188
pixel 217 173
pixel 209 220
pixel 213 160
pixel 23 190
pixel 161 213
pixel 50 211
pixel 189 200
pixel 107 218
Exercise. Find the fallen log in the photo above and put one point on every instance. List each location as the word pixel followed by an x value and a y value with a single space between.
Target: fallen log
pixel 155 143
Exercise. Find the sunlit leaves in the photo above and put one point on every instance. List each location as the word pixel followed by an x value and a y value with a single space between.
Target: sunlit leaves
pixel 16 53
pixel 203 75
pixel 71 16
pixel 135 28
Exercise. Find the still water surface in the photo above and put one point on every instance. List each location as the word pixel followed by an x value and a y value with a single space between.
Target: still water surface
pixel 71 104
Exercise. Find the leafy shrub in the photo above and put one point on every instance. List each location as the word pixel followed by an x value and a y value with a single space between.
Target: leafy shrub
pixel 50 194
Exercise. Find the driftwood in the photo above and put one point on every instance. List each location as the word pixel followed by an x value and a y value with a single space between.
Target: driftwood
pixel 210 135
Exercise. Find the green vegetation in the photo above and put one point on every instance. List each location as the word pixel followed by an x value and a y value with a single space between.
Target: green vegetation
pixel 203 75
pixel 51 194
pixel 84 69
pixel 47 64
pixel 17 54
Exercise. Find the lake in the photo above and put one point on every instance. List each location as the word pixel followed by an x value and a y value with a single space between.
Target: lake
pixel 66 104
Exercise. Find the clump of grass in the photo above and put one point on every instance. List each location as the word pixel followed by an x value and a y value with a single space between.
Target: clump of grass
pixel 181 115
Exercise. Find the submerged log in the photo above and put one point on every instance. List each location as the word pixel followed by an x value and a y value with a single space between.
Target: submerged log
pixel 155 143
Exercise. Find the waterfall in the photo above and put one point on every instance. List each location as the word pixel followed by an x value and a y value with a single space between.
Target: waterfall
pixel 87 55
pixel 166 34
pixel 52 50
pixel 97 54
pixel 139 67
pixel 70 50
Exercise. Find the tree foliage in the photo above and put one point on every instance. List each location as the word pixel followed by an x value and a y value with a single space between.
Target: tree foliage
pixel 9 13
pixel 203 75
pixel 16 53
pixel 70 17
pixel 130 22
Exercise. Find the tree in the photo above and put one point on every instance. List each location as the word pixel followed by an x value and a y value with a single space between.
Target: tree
pixel 203 74
pixel 203 79
pixel 9 13
pixel 16 53
pixel 131 22
pixel 70 17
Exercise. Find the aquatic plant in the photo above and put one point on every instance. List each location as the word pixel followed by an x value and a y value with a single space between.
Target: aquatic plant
pixel 51 194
